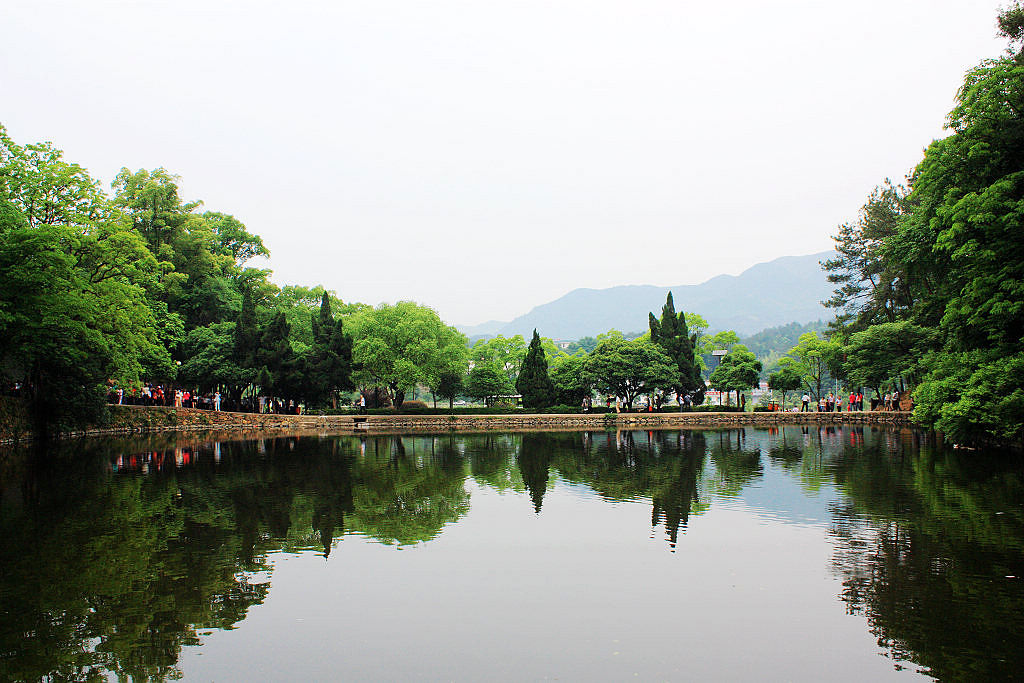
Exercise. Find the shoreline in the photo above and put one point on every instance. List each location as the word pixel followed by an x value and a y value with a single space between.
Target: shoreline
pixel 141 420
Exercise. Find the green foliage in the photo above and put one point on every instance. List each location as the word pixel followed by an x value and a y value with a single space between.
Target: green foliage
pixel 630 368
pixel 816 360
pixel 886 354
pixel 970 393
pixel 71 316
pixel 327 364
pixel 404 345
pixel 533 382
pixel 449 385
pixel 506 353
pixel 586 344
pixel 785 380
pixel 673 336
pixel 571 380
pixel 771 344
pixel 947 255
pixel 211 360
pixel 738 371
pixel 487 381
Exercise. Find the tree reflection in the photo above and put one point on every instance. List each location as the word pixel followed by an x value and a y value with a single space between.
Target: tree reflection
pixel 931 550
pixel 535 464
pixel 404 498
pixel 736 466
pixel 111 564
pixel 665 467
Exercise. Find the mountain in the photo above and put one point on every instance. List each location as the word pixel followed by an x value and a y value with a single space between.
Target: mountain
pixel 788 289
pixel 487 329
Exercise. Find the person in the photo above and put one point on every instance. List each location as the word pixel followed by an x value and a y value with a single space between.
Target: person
pixel 362 404
pixel 216 401
pixel 860 401
pixel 853 399
pixel 805 403
pixel 895 399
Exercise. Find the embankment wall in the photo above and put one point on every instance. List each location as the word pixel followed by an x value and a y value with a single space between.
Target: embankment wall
pixel 150 420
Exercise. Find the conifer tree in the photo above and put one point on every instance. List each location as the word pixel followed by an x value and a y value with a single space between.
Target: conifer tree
pixel 534 383
pixel 673 336
pixel 328 364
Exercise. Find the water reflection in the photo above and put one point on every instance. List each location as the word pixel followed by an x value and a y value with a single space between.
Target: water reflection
pixel 118 554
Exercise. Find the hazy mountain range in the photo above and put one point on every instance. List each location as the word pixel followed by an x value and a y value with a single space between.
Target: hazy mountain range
pixel 788 289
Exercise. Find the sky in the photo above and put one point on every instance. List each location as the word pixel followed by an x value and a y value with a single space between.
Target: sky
pixel 485 157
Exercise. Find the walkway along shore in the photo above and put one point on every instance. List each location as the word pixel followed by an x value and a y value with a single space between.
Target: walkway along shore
pixel 150 420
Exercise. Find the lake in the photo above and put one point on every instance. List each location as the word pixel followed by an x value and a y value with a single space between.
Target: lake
pixel 745 554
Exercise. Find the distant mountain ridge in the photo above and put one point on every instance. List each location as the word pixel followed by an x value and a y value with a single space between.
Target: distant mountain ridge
pixel 785 290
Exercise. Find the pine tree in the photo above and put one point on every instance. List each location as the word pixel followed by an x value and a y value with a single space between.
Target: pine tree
pixel 673 336
pixel 328 364
pixel 533 383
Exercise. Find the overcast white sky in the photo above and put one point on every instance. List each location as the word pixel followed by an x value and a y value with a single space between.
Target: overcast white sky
pixel 485 157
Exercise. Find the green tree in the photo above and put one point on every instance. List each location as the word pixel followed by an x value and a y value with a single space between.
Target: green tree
pixel 948 255
pixel 211 362
pixel 738 371
pixel 816 360
pixel 404 345
pixel 277 360
pixel 571 380
pixel 871 287
pixel 673 336
pixel 586 344
pixel 533 382
pixel 328 363
pixel 449 385
pixel 506 353
pixel 884 354
pixel 487 381
pixel 72 315
pixel 630 368
pixel 785 380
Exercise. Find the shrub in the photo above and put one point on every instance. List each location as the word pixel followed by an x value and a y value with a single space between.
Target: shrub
pixel 564 409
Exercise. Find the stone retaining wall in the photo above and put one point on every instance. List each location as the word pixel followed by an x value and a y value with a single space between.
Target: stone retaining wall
pixel 376 424
pixel 154 420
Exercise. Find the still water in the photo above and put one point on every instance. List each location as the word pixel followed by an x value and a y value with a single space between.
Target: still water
pixel 780 554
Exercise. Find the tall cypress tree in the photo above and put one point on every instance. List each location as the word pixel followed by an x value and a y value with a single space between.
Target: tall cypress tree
pixel 328 364
pixel 673 336
pixel 534 383
pixel 275 355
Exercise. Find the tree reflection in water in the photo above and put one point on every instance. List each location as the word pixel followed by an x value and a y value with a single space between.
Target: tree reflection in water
pixel 118 554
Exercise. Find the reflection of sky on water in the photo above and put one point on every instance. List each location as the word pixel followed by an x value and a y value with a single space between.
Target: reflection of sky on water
pixel 779 495
pixel 769 554
pixel 575 592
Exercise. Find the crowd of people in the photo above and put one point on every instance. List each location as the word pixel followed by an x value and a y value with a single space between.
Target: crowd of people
pixel 149 394
pixel 834 403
